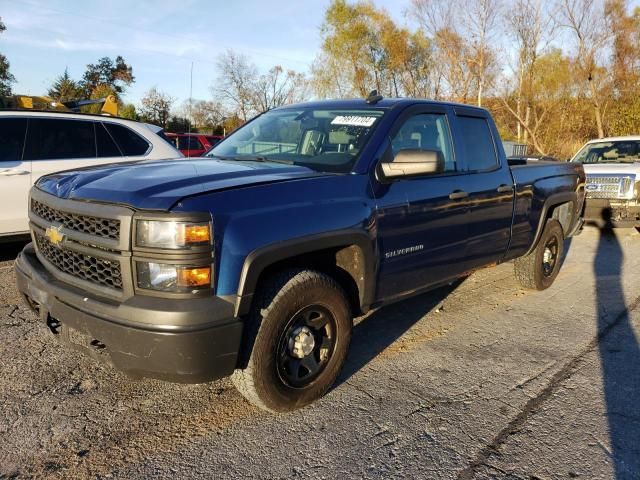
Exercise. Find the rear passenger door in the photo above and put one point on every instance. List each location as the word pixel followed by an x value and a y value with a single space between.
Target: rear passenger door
pixel 15 176
pixel 489 186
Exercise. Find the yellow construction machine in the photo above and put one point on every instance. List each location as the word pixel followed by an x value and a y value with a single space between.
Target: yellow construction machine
pixel 29 102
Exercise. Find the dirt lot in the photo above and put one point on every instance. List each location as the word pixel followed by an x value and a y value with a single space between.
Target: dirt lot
pixel 479 380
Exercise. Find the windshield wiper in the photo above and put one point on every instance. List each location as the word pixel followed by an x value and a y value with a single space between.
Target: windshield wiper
pixel 252 158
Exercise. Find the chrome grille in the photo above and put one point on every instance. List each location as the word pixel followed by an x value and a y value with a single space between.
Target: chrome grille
pixel 90 268
pixel 100 227
pixel 609 186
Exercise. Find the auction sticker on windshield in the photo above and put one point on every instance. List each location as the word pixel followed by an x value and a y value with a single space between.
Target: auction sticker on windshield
pixel 354 120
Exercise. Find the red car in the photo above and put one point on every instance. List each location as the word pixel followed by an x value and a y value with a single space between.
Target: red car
pixel 193 144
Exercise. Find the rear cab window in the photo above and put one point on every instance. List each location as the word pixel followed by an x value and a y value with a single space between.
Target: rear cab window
pixel 477 144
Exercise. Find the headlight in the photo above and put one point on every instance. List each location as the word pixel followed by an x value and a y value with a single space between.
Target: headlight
pixel 173 278
pixel 172 235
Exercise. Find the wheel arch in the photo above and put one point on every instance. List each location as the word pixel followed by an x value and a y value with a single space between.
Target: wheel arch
pixel 348 256
pixel 562 207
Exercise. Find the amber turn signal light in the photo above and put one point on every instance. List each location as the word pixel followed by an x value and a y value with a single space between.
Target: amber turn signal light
pixel 194 277
pixel 197 233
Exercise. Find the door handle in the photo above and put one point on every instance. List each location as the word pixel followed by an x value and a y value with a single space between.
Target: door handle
pixel 458 194
pixel 9 172
pixel 504 188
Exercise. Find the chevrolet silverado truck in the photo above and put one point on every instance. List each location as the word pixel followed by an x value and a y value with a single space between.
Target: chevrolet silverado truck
pixel 253 261
pixel 612 166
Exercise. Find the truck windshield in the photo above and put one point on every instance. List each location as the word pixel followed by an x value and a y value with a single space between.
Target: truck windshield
pixel 325 140
pixel 623 151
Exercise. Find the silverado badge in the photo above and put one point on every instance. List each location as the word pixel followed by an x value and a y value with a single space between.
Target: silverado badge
pixel 54 235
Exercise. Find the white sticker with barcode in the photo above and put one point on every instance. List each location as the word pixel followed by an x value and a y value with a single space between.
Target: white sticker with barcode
pixel 354 120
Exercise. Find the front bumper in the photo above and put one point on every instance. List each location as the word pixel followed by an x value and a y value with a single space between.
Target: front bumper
pixel 621 213
pixel 187 341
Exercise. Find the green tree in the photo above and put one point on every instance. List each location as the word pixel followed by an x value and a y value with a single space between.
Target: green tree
pixel 129 111
pixel 178 124
pixel 6 78
pixel 363 49
pixel 64 88
pixel 115 74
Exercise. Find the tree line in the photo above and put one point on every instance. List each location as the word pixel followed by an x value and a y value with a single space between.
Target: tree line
pixel 553 73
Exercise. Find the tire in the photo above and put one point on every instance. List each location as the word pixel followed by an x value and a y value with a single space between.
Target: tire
pixel 277 371
pixel 536 272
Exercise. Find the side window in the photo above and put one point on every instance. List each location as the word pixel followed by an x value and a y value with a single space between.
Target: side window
pixel 426 131
pixel 105 144
pixel 189 143
pixel 194 144
pixel 131 144
pixel 52 139
pixel 478 148
pixel 12 132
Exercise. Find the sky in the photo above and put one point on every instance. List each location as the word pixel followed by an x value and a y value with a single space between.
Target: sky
pixel 160 39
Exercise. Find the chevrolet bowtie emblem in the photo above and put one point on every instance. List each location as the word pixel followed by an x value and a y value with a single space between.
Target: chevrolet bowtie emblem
pixel 54 235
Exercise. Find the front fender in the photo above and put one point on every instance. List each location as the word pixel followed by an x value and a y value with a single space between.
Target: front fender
pixel 259 225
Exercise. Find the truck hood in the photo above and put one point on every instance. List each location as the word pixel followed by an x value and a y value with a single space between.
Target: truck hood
pixel 158 185
pixel 612 168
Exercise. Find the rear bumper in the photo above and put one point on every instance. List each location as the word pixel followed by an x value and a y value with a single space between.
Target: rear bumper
pixel 186 341
pixel 622 214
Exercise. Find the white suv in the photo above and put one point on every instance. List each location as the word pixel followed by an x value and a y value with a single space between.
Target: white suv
pixel 36 143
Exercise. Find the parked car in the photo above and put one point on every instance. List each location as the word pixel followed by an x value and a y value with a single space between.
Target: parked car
pixel 34 143
pixel 193 144
pixel 253 261
pixel 612 166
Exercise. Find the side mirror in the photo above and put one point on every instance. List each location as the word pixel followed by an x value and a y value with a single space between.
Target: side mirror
pixel 412 163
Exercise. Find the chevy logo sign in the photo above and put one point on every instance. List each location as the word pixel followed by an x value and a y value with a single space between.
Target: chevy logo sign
pixel 54 235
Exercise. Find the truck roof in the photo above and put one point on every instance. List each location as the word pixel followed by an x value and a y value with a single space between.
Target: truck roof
pixel 384 103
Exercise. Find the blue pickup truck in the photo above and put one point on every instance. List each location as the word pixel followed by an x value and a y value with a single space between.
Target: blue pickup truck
pixel 253 260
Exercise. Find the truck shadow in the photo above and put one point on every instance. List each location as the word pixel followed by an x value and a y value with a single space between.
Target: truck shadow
pixel 373 334
pixel 619 356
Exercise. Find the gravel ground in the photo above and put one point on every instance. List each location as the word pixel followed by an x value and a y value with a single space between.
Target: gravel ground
pixel 478 380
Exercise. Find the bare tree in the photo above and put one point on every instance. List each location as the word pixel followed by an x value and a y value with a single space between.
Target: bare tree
pixel 587 23
pixel 278 87
pixel 156 107
pixel 236 82
pixel 463 33
pixel 532 27
pixel 481 22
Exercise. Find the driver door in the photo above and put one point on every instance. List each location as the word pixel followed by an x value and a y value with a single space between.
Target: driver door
pixel 422 224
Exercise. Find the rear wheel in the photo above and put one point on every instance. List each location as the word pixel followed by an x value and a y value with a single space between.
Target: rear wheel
pixel 539 269
pixel 296 341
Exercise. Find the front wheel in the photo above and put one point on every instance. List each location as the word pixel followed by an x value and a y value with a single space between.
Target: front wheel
pixel 540 268
pixel 296 341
